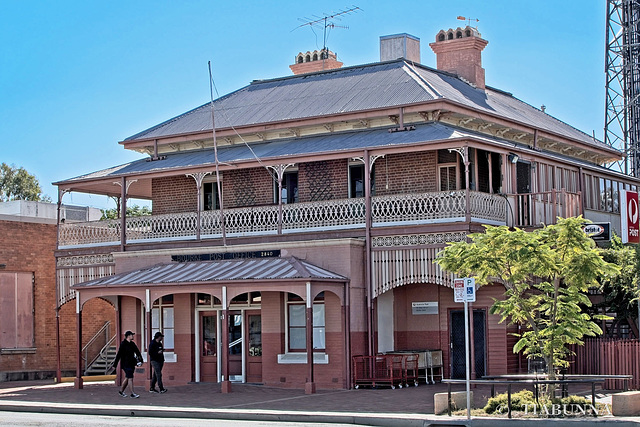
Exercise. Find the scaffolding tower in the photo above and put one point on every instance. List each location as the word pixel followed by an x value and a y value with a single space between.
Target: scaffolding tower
pixel 622 66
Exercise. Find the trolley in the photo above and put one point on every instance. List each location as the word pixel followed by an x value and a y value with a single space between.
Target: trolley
pixel 379 370
pixel 411 369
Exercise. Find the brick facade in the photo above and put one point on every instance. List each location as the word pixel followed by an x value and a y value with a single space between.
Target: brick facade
pixel 29 247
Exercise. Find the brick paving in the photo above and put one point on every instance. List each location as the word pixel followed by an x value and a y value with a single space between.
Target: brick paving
pixel 415 400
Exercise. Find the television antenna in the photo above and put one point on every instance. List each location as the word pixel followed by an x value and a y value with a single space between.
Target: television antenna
pixel 327 21
pixel 462 18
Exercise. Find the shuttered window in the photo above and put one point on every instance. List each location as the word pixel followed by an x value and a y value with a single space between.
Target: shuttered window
pixel 16 310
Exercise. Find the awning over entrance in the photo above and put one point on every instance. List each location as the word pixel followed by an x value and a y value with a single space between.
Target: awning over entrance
pixel 254 269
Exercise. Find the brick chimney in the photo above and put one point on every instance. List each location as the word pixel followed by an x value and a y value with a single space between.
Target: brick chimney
pixel 400 46
pixel 459 52
pixel 318 60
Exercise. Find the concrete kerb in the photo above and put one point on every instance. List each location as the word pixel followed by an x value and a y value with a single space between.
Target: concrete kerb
pixel 367 419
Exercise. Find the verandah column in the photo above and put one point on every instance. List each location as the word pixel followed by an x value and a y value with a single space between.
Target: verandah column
pixel 147 319
pixel 224 345
pixel 310 385
pixel 78 380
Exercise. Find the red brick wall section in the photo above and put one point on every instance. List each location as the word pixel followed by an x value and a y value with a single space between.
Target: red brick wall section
pixel 432 332
pixel 325 180
pixel 248 187
pixel 406 173
pixel 28 247
pixel 174 194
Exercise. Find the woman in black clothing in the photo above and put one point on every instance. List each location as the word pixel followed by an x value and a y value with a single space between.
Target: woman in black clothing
pixel 129 357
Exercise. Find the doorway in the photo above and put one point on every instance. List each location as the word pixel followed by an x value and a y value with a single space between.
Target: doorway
pixel 456 340
pixel 208 346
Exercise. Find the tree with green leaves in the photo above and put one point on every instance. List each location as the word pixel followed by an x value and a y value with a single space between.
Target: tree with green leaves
pixel 620 293
pixel 133 210
pixel 18 184
pixel 546 274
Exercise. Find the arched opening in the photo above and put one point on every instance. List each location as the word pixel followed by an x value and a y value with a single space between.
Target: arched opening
pixel 308 58
pixel 315 56
pixel 300 59
pixel 440 37
pixel 450 36
pixel 468 33
pixel 459 34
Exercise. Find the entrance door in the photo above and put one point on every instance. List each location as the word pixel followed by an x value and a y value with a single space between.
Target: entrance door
pixel 235 345
pixel 254 347
pixel 208 347
pixel 456 339
pixel 523 186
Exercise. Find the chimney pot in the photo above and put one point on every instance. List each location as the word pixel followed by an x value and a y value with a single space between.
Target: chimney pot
pixel 459 52
pixel 318 60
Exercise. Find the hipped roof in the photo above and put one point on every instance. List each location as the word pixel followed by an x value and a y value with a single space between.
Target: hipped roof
pixel 254 269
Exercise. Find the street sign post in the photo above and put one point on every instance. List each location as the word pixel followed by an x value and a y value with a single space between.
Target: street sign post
pixel 464 290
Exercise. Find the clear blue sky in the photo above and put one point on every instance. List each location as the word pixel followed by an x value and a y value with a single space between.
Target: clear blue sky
pixel 77 77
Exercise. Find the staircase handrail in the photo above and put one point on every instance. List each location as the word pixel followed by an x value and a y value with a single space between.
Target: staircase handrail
pixel 85 350
pixel 103 355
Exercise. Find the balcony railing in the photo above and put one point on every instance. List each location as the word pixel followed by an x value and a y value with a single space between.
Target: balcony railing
pixel 536 209
pixel 405 209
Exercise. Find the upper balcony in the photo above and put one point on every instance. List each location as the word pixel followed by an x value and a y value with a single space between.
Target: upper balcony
pixel 339 214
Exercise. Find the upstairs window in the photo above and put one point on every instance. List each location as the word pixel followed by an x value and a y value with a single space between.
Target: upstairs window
pixel 211 198
pixel 289 188
pixel 356 180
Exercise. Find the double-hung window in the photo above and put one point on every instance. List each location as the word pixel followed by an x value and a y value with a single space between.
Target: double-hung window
pixel 162 320
pixel 297 331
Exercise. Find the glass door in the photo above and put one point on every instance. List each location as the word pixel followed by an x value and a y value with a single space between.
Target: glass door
pixel 208 347
pixel 254 347
pixel 235 346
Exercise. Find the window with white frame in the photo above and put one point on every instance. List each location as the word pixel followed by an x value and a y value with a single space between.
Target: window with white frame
pixel 162 320
pixel 296 321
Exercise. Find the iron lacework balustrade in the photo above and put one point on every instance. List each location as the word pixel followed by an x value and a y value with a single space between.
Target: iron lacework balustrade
pixel 339 214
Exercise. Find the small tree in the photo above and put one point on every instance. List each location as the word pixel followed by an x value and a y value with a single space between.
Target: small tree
pixel 546 273
pixel 620 293
pixel 18 184
pixel 134 210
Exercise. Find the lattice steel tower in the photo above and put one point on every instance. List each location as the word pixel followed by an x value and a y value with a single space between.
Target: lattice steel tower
pixel 622 65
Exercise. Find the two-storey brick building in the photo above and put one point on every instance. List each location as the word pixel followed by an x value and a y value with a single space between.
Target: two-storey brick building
pixel 302 230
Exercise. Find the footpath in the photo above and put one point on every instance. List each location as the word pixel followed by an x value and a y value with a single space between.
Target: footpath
pixel 410 406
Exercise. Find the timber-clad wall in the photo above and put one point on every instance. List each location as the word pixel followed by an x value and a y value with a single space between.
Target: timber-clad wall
pixel 77 269
pixel 401 260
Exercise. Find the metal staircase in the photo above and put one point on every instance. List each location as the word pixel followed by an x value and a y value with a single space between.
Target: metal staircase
pixel 100 352
pixel 103 364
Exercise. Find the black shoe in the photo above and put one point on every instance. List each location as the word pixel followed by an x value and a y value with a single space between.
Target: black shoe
pixel 163 390
pixel 121 394
pixel 153 390
pixel 135 396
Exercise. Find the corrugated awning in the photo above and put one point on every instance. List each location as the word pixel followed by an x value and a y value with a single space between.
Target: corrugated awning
pixel 256 269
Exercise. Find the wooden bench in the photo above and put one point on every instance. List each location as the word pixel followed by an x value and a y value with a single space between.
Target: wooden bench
pixel 458 401
pixel 625 404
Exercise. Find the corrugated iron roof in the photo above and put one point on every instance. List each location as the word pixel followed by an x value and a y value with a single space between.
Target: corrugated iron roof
pixel 331 142
pixel 176 273
pixel 352 89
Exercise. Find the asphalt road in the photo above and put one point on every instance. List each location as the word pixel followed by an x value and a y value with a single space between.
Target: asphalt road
pixel 64 420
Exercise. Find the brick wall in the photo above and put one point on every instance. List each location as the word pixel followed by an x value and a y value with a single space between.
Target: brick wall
pixel 248 187
pixel 29 247
pixel 324 180
pixel 174 194
pixel 406 173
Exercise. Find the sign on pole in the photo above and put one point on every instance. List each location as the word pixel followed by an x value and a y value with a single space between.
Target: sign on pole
pixel 470 289
pixel 464 290
pixel 459 291
pixel 629 217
